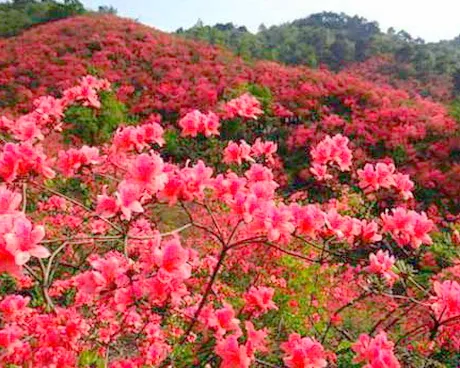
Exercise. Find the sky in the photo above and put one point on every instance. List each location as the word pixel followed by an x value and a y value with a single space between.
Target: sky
pixel 428 19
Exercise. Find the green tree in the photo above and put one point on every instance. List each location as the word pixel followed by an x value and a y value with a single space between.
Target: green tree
pixel 19 15
pixel 336 40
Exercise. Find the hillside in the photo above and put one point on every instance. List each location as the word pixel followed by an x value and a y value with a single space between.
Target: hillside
pixel 386 69
pixel 157 72
pixel 165 203
pixel 340 40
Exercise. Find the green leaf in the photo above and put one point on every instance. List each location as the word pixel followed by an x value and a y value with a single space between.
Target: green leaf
pixel 89 358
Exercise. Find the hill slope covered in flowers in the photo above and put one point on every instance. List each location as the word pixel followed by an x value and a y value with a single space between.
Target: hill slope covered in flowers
pixel 156 72
pixel 165 204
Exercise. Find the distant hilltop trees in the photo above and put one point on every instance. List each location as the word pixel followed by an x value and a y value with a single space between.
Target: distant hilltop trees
pixel 17 15
pixel 336 41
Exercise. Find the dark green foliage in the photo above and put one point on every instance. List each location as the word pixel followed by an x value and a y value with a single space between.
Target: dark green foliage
pixel 18 15
pixel 454 109
pixel 107 9
pixel 336 40
pixel 456 81
pixel 444 250
pixel 64 10
pixel 95 126
pixel 8 96
pixel 73 188
pixel 399 155
pixel 328 38
pixel 7 284
pixel 450 359
pixel 345 359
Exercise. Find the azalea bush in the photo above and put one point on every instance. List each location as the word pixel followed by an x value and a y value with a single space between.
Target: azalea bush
pixel 122 254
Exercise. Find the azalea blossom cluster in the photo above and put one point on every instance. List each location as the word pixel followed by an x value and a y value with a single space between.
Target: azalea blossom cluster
pixel 381 263
pixel 72 160
pixel 303 352
pixel 222 281
pixel 382 175
pixel 86 92
pixel 446 304
pixel 235 355
pixel 238 153
pixel 245 106
pixel 330 151
pixel 26 156
pixel 196 122
pixel 20 239
pixel 138 137
pixel 407 227
pixel 259 300
pixel 22 159
pixel 375 352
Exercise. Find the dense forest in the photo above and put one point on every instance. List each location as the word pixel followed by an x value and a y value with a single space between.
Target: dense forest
pixel 336 41
pixel 18 15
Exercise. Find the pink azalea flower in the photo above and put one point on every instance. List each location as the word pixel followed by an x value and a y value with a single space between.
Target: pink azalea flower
pixel 408 227
pixel 236 153
pixel 309 219
pixel 225 321
pixel 303 352
pixel 260 300
pixel 404 185
pixel 23 241
pixel 173 259
pixel 211 125
pixel 196 122
pixel 372 179
pixel 382 264
pixel 128 196
pixel 256 340
pixel 8 262
pixel 14 307
pixel 9 201
pixel 446 303
pixel 107 207
pixel 369 232
pixel 377 352
pixel 261 148
pixel 245 106
pixel 147 172
pixel 26 129
pixel 23 159
pixel 149 133
pixel 278 223
pixel 232 354
pixel 331 150
pixel 191 123
pixel 70 161
pixel 10 338
pixel 320 172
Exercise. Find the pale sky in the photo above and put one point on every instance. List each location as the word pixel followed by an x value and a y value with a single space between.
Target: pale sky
pixel 433 20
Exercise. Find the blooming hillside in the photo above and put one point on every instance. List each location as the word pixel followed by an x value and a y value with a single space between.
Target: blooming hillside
pixel 385 69
pixel 164 204
pixel 156 72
